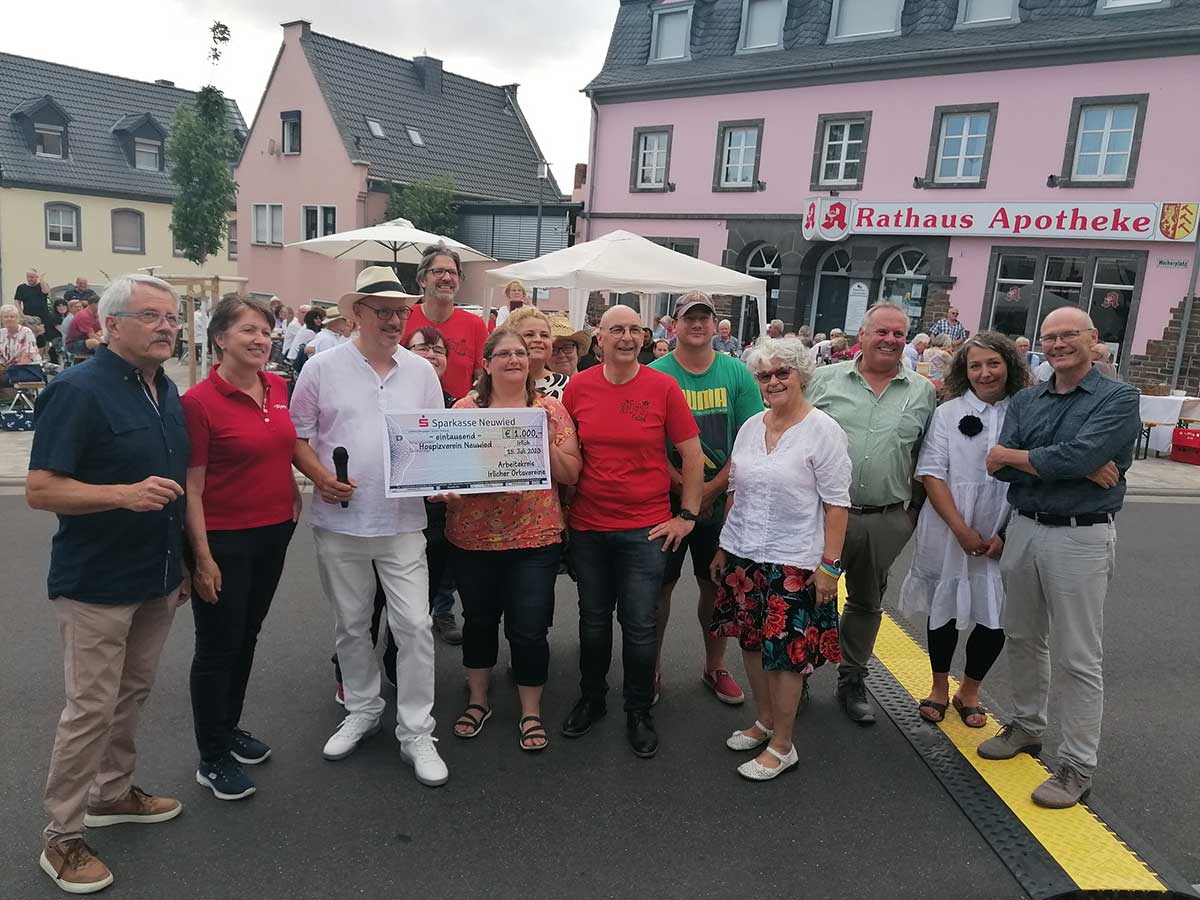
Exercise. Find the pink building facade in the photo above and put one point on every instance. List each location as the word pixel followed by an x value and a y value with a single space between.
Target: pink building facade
pixel 994 176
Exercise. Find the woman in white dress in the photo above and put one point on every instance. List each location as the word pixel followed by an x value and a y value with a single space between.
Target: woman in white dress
pixel 954 580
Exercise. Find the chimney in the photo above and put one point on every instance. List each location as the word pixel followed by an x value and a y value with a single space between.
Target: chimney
pixel 165 82
pixel 580 175
pixel 429 72
pixel 297 25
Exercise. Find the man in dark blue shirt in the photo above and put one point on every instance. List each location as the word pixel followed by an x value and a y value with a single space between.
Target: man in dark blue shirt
pixel 109 457
pixel 1064 449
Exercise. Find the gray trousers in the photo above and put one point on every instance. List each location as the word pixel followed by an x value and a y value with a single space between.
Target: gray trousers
pixel 1055 581
pixel 872 544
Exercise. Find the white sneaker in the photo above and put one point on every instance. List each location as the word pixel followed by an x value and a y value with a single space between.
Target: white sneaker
pixel 756 771
pixel 739 740
pixel 422 755
pixel 355 728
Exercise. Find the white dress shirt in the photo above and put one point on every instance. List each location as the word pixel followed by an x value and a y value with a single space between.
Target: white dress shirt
pixel 302 337
pixel 340 401
pixel 777 516
pixel 289 335
pixel 326 339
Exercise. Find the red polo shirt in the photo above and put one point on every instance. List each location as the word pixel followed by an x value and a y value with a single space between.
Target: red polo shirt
pixel 246 449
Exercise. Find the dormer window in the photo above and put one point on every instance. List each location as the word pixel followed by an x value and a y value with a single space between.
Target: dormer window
pixel 48 140
pixel 762 24
pixel 147 155
pixel 855 20
pixel 1108 6
pixel 987 12
pixel 671 33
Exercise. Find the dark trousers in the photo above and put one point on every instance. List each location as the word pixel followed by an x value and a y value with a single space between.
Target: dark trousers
pixel 621 570
pixel 873 541
pixel 437 553
pixel 251 562
pixel 983 648
pixel 518 586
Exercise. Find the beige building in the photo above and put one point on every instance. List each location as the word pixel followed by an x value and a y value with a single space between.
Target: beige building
pixel 85 188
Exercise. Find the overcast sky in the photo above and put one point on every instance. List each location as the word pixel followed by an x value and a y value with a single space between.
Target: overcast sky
pixel 552 48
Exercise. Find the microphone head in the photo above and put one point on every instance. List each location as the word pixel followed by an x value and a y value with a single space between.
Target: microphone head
pixel 340 454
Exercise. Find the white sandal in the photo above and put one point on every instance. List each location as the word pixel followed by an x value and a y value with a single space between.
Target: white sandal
pixel 756 771
pixel 739 740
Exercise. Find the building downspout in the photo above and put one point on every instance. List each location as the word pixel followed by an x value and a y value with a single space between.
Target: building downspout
pixel 1188 302
pixel 591 174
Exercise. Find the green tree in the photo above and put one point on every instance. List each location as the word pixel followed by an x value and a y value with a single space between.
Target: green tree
pixel 429 205
pixel 201 151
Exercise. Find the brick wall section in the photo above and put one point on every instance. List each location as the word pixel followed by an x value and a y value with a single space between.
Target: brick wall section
pixel 1154 367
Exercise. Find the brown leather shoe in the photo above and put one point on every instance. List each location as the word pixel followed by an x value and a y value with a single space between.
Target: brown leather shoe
pixel 74 867
pixel 136 806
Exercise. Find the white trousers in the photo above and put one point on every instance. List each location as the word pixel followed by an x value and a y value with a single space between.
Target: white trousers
pixel 345 565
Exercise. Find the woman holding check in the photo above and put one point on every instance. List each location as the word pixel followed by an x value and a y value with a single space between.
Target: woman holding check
pixel 778 567
pixel 507 549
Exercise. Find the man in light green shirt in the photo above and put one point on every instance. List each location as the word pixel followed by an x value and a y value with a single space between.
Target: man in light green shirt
pixel 885 410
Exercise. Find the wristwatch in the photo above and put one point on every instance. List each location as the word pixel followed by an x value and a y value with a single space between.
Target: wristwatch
pixel 688 516
pixel 832 567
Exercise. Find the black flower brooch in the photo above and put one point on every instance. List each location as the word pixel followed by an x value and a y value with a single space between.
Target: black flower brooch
pixel 970 425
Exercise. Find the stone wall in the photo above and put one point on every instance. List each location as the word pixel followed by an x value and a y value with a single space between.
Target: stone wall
pixel 1155 366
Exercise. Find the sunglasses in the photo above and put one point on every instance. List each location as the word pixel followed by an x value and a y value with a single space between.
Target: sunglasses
pixel 782 374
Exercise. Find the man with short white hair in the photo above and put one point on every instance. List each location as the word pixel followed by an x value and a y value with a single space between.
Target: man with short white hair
pixel 724 341
pixel 665 329
pixel 914 349
pixel 775 328
pixel 109 457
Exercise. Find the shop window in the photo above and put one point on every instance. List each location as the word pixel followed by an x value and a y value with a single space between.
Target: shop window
pixel 904 283
pixel 1112 298
pixel 1013 294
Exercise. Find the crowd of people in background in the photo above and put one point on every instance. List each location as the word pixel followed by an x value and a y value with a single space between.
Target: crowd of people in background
pixel 781 468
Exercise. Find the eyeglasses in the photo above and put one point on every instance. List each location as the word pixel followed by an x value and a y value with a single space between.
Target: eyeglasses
pixel 1064 336
pixel 428 348
pixel 632 330
pixel 510 354
pixel 383 313
pixel 440 273
pixel 783 374
pixel 149 317
pixel 565 350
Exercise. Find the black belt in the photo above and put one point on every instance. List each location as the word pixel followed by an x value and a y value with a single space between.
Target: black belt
pixel 1068 521
pixel 874 510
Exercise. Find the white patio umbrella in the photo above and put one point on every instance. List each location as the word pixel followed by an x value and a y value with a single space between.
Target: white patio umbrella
pixel 398 237
pixel 628 263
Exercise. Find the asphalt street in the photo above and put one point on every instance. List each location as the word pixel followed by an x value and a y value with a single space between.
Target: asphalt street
pixel 863 817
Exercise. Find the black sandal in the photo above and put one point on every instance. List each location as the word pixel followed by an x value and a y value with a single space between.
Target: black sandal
pixel 939 708
pixel 965 712
pixel 532 733
pixel 475 722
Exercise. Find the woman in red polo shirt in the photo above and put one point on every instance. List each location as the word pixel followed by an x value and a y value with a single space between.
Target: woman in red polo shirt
pixel 242 507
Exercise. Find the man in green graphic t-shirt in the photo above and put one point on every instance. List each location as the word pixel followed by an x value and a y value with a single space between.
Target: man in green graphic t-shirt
pixel 722 395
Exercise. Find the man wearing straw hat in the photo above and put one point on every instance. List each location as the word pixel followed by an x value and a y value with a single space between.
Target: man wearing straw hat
pixel 569 346
pixel 339 402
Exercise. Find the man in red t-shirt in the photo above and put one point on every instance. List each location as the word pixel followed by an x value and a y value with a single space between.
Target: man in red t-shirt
pixel 83 335
pixel 621 521
pixel 439 276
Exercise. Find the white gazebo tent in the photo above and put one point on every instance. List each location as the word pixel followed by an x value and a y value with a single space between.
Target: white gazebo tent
pixel 622 262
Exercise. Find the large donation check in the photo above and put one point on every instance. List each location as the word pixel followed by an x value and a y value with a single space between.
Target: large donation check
pixel 466 451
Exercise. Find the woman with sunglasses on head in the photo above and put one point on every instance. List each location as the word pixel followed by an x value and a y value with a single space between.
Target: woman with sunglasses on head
pixel 778 567
pixel 954 581
pixel 506 549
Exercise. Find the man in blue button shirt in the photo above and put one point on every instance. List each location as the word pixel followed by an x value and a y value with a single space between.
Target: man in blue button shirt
pixel 1064 449
pixel 109 457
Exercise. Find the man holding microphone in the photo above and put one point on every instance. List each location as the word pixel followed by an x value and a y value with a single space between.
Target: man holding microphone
pixel 338 406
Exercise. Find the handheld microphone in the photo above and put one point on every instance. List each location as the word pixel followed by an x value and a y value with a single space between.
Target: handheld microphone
pixel 341 461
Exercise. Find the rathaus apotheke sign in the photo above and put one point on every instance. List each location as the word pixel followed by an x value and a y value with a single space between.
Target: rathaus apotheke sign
pixel 832 219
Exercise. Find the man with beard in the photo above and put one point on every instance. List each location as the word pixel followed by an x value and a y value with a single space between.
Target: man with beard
pixel 885 409
pixel 439 275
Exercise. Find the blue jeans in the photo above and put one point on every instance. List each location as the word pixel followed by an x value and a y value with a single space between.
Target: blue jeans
pixel 621 570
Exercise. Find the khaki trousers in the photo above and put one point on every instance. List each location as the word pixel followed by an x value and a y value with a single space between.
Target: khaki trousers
pixel 110 658
pixel 872 544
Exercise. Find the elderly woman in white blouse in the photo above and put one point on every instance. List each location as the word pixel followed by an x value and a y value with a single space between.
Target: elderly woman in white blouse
pixel 778 565
pixel 18 344
pixel 954 581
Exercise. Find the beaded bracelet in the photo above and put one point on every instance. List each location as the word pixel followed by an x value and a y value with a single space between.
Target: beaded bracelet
pixel 830 570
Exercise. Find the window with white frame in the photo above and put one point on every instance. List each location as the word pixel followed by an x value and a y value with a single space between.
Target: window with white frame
pixel 62 226
pixel 739 156
pixel 1103 6
pixel 1103 143
pixel 961 147
pixel 291 132
pixel 841 154
pixel 652 160
pixel 986 12
pixel 48 141
pixel 147 155
pixel 762 24
pixel 268 223
pixel 864 19
pixel 319 221
pixel 128 231
pixel 671 34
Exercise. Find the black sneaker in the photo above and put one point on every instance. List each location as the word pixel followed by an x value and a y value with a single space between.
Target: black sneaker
pixel 247 749
pixel 225 778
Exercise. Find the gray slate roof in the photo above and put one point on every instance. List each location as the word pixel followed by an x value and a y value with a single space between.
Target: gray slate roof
pixel 927 31
pixel 474 133
pixel 95 102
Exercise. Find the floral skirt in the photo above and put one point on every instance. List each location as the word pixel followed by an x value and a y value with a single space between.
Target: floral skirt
pixel 772 609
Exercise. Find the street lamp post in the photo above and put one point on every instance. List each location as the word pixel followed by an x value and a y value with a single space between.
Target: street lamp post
pixel 542 174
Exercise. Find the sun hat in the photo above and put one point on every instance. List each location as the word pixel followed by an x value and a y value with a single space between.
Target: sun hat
pixel 560 329
pixel 374 281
